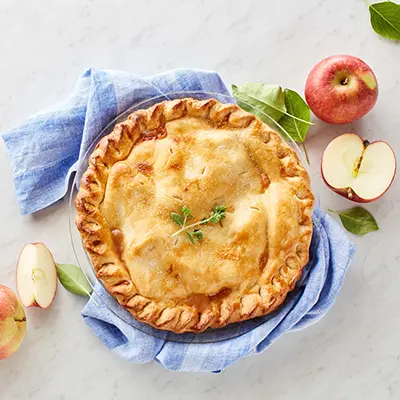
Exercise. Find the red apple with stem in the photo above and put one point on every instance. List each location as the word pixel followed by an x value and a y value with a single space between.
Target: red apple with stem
pixel 341 89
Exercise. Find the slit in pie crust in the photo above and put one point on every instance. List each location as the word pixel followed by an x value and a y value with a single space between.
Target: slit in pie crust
pixel 199 154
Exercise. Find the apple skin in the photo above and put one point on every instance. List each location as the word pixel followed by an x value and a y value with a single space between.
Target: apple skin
pixel 349 193
pixel 34 303
pixel 12 322
pixel 341 89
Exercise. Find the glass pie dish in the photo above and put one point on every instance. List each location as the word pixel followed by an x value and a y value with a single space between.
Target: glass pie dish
pixel 83 260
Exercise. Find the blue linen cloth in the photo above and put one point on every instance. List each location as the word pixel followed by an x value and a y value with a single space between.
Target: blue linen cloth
pixel 46 150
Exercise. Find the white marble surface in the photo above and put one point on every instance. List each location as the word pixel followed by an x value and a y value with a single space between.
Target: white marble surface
pixel 354 353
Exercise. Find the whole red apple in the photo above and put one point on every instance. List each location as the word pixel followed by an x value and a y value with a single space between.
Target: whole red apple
pixel 12 322
pixel 341 89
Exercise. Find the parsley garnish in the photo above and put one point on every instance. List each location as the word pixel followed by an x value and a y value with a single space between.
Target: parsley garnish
pixel 217 213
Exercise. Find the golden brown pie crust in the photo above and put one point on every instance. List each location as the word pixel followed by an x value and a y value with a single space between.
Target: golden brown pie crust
pixel 199 154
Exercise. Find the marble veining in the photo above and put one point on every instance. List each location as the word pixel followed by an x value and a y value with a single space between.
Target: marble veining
pixel 354 352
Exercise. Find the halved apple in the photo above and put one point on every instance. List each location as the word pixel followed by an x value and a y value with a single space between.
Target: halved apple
pixel 357 169
pixel 36 276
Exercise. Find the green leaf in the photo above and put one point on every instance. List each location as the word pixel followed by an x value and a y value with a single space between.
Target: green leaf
pixel 294 113
pixel 297 107
pixel 219 209
pixel 255 97
pixel 217 214
pixel 214 219
pixel 190 236
pixel 385 19
pixel 357 220
pixel 198 234
pixel 177 218
pixel 72 278
pixel 186 211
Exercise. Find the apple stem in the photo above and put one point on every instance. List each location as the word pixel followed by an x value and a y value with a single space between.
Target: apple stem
pixel 305 153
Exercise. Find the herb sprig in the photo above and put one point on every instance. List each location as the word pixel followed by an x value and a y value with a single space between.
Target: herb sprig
pixel 217 213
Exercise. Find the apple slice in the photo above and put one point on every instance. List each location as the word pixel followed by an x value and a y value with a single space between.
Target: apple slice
pixel 357 169
pixel 36 276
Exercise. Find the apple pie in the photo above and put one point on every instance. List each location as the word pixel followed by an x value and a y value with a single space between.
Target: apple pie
pixel 195 215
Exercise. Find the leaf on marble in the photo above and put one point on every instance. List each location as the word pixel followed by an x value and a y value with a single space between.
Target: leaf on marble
pixel 73 279
pixel 357 220
pixel 385 19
